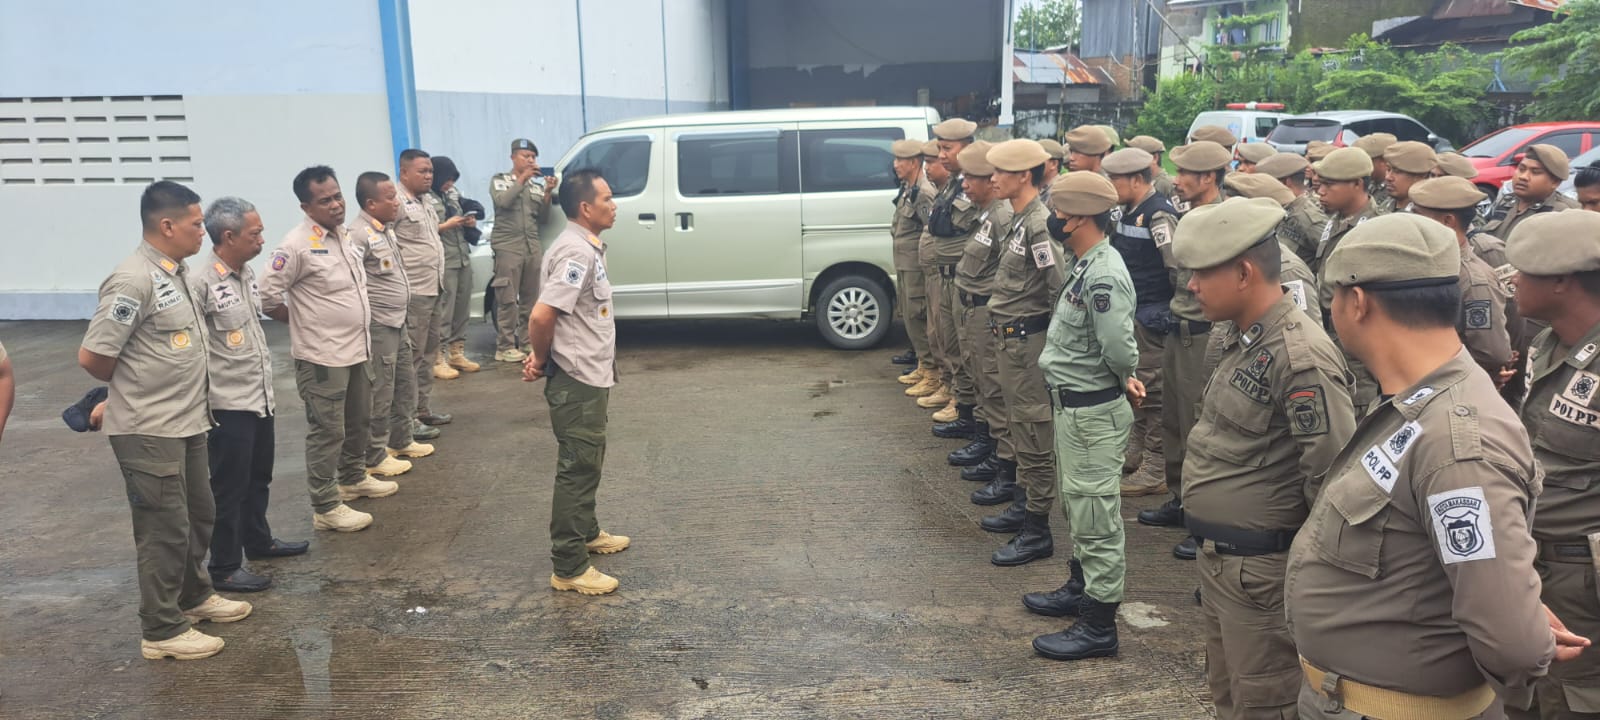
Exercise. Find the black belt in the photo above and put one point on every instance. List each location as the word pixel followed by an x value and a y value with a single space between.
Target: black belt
pixel 947 271
pixel 970 300
pixel 1576 552
pixel 1073 399
pixel 1195 327
pixel 1239 541
pixel 1022 328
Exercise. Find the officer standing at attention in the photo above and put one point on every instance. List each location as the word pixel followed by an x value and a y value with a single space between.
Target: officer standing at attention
pixel 1303 218
pixel 1375 145
pixel 1159 179
pixel 1409 163
pixel 1086 145
pixel 965 425
pixel 575 347
pixel 1483 323
pixel 1251 154
pixel 1413 578
pixel 910 214
pixel 1273 417
pixel 455 296
pixel 1344 176
pixel 1088 360
pixel 147 339
pixel 961 217
pixel 1026 282
pixel 1052 167
pixel 991 455
pixel 939 178
pixel 316 284
pixel 1202 165
pixel 521 198
pixel 1145 212
pixel 1217 134
pixel 240 371
pixel 1294 276
pixel 417 233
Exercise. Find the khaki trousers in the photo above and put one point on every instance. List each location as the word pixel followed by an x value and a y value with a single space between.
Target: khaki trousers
pixel 516 289
pixel 1183 362
pixel 1251 664
pixel 913 290
pixel 338 401
pixel 423 337
pixel 1028 419
pixel 169 493
pixel 394 393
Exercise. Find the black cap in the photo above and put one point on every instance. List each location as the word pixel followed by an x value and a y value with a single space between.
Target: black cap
pixel 524 144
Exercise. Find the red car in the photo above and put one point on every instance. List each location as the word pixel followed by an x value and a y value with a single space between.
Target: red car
pixel 1496 154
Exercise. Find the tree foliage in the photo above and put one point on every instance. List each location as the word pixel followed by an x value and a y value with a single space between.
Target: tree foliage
pixel 1567 51
pixel 1045 23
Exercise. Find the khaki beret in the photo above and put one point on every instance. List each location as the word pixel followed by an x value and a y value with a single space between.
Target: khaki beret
pixel 955 129
pixel 1255 152
pixel 1054 148
pixel 1376 143
pixel 1127 161
pixel 974 161
pixel 1445 193
pixel 1395 248
pixel 1111 134
pixel 1554 161
pixel 930 149
pixel 1348 163
pixel 1214 133
pixel 1083 194
pixel 1089 140
pixel 1457 165
pixel 1282 165
pixel 1412 157
pixel 1317 150
pixel 1259 185
pixel 1201 156
pixel 1556 243
pixel 1211 235
pixel 1017 155
pixel 1148 144
pixel 906 148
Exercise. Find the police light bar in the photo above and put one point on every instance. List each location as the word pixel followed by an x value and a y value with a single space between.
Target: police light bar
pixel 1254 106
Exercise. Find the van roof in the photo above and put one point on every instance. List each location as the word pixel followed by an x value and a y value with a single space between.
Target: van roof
pixel 736 117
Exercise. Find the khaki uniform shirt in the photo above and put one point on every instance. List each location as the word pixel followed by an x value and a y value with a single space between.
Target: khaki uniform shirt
pixel 1162 182
pixel 1338 226
pixel 457 251
pixel 1302 226
pixel 1562 417
pixel 911 210
pixel 1414 571
pixel 1029 273
pixel 517 212
pixel 417 234
pixel 1090 344
pixel 1298 284
pixel 1273 415
pixel 575 282
pixel 317 273
pixel 1379 192
pixel 1184 304
pixel 975 272
pixel 240 360
pixel 150 322
pixel 1504 216
pixel 927 243
pixel 964 216
pixel 1482 322
pixel 388 290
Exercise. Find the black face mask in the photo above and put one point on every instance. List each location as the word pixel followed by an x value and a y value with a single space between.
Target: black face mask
pixel 1058 228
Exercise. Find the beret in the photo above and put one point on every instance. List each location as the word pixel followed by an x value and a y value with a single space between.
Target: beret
pixel 1259 185
pixel 1375 144
pixel 1089 140
pixel 1318 149
pixel 1445 193
pixel 974 161
pixel 1552 158
pixel 955 129
pixel 1127 161
pixel 1282 165
pixel 1017 155
pixel 1255 152
pixel 1147 144
pixel 1556 243
pixel 1347 163
pixel 906 148
pixel 1214 133
pixel 1201 156
pixel 1211 235
pixel 1054 148
pixel 930 149
pixel 1402 249
pixel 1083 194
pixel 1412 157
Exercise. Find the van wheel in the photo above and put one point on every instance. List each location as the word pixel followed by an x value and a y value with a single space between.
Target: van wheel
pixel 853 313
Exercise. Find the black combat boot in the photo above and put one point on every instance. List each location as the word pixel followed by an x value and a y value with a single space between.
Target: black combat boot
pixel 1002 488
pixel 985 470
pixel 961 428
pixel 1032 543
pixel 1061 602
pixel 1170 514
pixel 975 452
pixel 1186 549
pixel 1010 519
pixel 1094 635
pixel 909 357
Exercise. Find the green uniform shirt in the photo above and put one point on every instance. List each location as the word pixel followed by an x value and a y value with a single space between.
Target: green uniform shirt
pixel 517 212
pixel 911 210
pixel 975 272
pixel 1302 226
pixel 1090 345
pixel 1029 273
pixel 1379 192
pixel 1563 420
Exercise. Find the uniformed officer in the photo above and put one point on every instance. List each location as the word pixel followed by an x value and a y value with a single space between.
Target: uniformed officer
pixel 239 366
pixel 953 212
pixel 1303 217
pixel 1533 190
pixel 1483 322
pixel 1026 281
pixel 521 198
pixel 1159 179
pixel 980 192
pixel 1586 186
pixel 1202 165
pixel 1086 146
pixel 1294 276
pixel 1344 177
pixel 574 338
pixel 1316 151
pixel 1409 163
pixel 147 339
pixel 1273 417
pixel 1145 211
pixel 455 294
pixel 416 231
pixel 1088 360
pixel 1053 166
pixel 1375 145
pixel 939 178
pixel 1454 163
pixel 1112 136
pixel 1214 133
pixel 911 207
pixel 1412 586
pixel 1251 154
pixel 316 284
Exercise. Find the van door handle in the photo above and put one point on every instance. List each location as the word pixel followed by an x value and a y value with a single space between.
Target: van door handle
pixel 647 218
pixel 685 221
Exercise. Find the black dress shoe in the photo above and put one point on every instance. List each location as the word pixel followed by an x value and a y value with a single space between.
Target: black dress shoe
pixel 278 548
pixel 1186 549
pixel 908 357
pixel 986 470
pixel 1032 543
pixel 434 419
pixel 241 581
pixel 1060 602
pixel 1170 514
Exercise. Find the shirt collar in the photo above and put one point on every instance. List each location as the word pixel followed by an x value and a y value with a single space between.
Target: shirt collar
pixel 1413 400
pixel 173 267
pixel 221 268
pixel 1267 322
pixel 371 222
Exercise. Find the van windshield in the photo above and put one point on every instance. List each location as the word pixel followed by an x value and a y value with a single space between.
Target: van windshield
pixel 1300 132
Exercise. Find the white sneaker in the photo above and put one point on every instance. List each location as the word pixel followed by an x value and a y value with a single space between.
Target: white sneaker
pixel 218 609
pixel 191 645
pixel 390 467
pixel 414 450
pixel 369 487
pixel 341 519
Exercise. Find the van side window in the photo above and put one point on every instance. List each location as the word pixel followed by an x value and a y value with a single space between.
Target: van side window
pixel 735 164
pixel 1264 126
pixel 624 162
pixel 847 160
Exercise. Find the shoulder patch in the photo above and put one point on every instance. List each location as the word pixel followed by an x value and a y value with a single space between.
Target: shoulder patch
pixel 1307 408
pixel 574 273
pixel 1102 301
pixel 1161 234
pixel 1475 315
pixel 278 261
pixel 1297 292
pixel 1462 525
pixel 124 309
pixel 1042 256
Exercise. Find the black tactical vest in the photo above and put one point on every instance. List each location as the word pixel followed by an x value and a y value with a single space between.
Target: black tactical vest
pixel 1130 235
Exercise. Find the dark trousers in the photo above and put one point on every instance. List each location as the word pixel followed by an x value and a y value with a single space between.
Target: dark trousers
pixel 172 518
pixel 578 419
pixel 241 472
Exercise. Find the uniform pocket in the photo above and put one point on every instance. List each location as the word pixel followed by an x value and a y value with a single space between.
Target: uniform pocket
pixel 1241 421
pixel 1563 439
pixel 1351 537
pixel 147 480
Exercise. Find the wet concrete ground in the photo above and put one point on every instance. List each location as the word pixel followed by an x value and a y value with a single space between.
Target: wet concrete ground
pixel 801 550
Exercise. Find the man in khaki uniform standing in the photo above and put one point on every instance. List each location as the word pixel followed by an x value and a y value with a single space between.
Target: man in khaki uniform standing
pixel 930 368
pixel 1483 324
pixel 1533 190
pixel 147 339
pixel 1052 167
pixel 952 221
pixel 974 284
pixel 521 198
pixel 1251 154
pixel 1159 179
pixel 1303 219
pixel 1087 145
pixel 416 231
pixel 1344 177
pixel 1294 276
pixel 455 294
pixel 911 208
pixel 1411 587
pixel 316 284
pixel 1375 145
pixel 1274 415
pixel 1409 163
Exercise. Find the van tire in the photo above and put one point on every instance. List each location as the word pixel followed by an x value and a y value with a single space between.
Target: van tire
pixel 854 312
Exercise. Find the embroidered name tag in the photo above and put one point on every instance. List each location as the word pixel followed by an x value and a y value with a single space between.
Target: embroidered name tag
pixel 1252 388
pixel 1573 413
pixel 1379 468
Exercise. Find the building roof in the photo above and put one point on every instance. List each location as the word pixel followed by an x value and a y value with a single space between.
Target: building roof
pixel 1054 68
pixel 1466 22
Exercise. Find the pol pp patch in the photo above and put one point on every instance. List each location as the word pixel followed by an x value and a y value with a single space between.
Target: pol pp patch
pixel 1462 525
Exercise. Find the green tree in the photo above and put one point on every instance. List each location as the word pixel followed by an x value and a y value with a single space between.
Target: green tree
pixel 1566 51
pixel 1444 88
pixel 1045 23
pixel 1168 111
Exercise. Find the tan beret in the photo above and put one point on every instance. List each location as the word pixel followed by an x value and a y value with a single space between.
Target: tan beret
pixel 1017 155
pixel 1347 163
pixel 974 160
pixel 1127 161
pixel 1556 243
pixel 1083 194
pixel 1255 152
pixel 1282 165
pixel 1089 140
pixel 930 149
pixel 1376 143
pixel 1317 150
pixel 1054 148
pixel 955 129
pixel 906 148
pixel 1445 193
pixel 1148 144
pixel 1201 156
pixel 1214 133
pixel 1395 248
pixel 1412 157
pixel 1457 165
pixel 1259 185
pixel 1211 235
pixel 1554 161
pixel 1111 134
